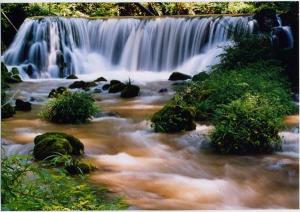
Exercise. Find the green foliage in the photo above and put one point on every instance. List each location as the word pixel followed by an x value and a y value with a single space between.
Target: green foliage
pixel 70 107
pixel 27 186
pixel 173 118
pixel 247 125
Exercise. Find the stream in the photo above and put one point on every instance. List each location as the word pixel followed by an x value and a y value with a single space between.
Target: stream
pixel 161 171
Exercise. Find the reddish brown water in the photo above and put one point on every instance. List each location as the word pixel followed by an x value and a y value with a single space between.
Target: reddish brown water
pixel 165 171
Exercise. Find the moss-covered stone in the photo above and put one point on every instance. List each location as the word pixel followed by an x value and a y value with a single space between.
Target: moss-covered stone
pixel 22 106
pixel 130 91
pixel 7 111
pixel 179 76
pixel 53 143
pixel 56 92
pixel 173 118
pixel 200 77
pixel 82 84
pixel 116 87
pixel 10 77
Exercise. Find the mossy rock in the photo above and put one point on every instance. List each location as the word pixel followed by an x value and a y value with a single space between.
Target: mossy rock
pixel 15 71
pixel 200 77
pixel 7 111
pixel 80 168
pixel 53 143
pixel 100 79
pixel 179 76
pixel 173 118
pixel 10 77
pixel 22 106
pixel 115 88
pixel 72 76
pixel 130 91
pixel 82 84
pixel 56 92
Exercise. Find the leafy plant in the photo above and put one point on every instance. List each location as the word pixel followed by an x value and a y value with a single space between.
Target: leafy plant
pixel 70 108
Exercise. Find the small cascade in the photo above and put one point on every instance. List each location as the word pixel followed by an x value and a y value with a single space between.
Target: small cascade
pixel 54 47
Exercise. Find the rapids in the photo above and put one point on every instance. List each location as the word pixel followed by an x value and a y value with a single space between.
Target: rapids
pixel 162 171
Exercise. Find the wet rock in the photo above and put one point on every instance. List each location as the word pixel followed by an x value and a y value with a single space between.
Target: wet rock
pixel 72 76
pixel 15 71
pixel 7 111
pixel 113 82
pixel 22 106
pixel 82 85
pixel 100 79
pixel 116 87
pixel 53 143
pixel 80 168
pixel 173 118
pixel 32 99
pixel 178 76
pixel 266 19
pixel 97 90
pixel 10 77
pixel 106 114
pixel 163 90
pixel 29 70
pixel 200 77
pixel 105 87
pixel 130 91
pixel 56 92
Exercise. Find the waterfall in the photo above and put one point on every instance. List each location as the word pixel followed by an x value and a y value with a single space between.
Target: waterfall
pixel 56 46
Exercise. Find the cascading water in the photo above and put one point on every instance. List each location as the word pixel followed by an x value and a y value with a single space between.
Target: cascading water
pixel 57 47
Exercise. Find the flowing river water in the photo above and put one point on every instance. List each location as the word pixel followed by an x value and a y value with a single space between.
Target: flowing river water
pixel 162 171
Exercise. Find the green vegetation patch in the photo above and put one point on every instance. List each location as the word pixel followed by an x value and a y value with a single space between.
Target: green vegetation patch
pixel 70 107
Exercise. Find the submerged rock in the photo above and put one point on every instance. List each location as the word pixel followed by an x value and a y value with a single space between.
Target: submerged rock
pixel 22 106
pixel 130 91
pixel 179 76
pixel 7 111
pixel 106 114
pixel 56 92
pixel 100 79
pixel 53 143
pixel 72 76
pixel 82 84
pixel 163 90
pixel 105 87
pixel 200 77
pixel 97 90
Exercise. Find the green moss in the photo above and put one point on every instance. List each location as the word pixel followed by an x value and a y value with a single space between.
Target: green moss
pixel 173 118
pixel 70 108
pixel 54 143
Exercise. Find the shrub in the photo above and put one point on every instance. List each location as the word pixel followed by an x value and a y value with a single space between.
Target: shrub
pixel 70 108
pixel 27 186
pixel 173 118
pixel 247 125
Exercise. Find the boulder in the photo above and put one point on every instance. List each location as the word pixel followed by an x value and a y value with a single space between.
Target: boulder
pixel 105 87
pixel 15 71
pixel 178 76
pixel 173 118
pixel 100 79
pixel 113 82
pixel 117 87
pixel 56 92
pixel 97 90
pixel 29 70
pixel 22 106
pixel 72 76
pixel 10 77
pixel 163 90
pixel 82 85
pixel 80 168
pixel 53 143
pixel 7 111
pixel 200 77
pixel 130 91
pixel 106 114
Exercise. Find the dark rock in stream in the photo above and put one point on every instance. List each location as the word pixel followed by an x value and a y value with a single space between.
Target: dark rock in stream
pixel 72 76
pixel 130 91
pixel 56 92
pixel 82 84
pixel 7 111
pixel 53 143
pixel 22 106
pixel 105 87
pixel 163 90
pixel 179 76
pixel 100 79
pixel 116 87
pixel 97 90
pixel 106 114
